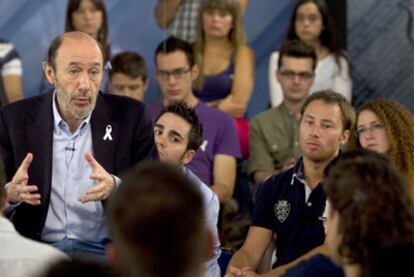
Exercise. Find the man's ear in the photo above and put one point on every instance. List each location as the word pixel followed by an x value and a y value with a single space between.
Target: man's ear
pixel 146 82
pixel 344 137
pixel 49 72
pixel 195 71
pixel 187 157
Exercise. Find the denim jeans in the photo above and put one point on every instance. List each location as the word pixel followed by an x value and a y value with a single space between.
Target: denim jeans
pixel 83 250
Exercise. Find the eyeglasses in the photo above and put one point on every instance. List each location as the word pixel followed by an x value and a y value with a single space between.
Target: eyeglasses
pixel 371 129
pixel 176 73
pixel 305 76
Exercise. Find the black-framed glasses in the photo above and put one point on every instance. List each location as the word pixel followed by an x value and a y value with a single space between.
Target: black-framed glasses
pixel 176 73
pixel 372 128
pixel 288 74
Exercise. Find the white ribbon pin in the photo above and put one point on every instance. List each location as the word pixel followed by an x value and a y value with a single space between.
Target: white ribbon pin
pixel 108 131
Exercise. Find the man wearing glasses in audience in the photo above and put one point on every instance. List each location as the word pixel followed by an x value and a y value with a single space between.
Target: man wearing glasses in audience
pixel 274 145
pixel 215 161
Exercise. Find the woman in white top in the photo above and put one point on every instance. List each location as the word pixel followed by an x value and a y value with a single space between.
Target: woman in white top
pixel 312 24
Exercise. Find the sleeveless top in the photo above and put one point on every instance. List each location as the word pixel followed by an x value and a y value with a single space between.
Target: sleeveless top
pixel 217 86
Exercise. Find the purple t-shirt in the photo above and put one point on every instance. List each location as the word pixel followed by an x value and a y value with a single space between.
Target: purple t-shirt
pixel 219 136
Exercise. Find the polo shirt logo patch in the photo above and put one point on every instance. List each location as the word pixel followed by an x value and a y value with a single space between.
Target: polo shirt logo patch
pixel 282 209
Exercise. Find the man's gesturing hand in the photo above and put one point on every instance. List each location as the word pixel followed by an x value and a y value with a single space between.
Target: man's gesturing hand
pixel 105 182
pixel 18 190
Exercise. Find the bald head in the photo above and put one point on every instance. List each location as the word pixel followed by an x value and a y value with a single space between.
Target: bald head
pixel 66 37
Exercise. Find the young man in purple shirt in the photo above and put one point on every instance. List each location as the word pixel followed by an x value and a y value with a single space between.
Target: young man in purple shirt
pixel 215 161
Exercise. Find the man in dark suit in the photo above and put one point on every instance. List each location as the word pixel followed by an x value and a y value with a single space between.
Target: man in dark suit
pixel 63 151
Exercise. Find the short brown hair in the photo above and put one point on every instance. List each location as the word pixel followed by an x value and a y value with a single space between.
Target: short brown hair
pixel 129 63
pixel 297 49
pixel 157 215
pixel 331 97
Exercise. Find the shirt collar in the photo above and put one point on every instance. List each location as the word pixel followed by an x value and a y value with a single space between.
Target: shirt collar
pixel 59 123
pixel 298 172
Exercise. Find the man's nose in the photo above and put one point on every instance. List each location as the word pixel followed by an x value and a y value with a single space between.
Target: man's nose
pixel 296 79
pixel 171 79
pixel 315 130
pixel 159 140
pixel 84 82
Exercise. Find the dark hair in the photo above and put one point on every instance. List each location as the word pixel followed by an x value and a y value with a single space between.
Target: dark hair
pixel 327 36
pixel 57 42
pixel 131 64
pixel 398 123
pixel 172 44
pixel 181 109
pixel 102 38
pixel 372 199
pixel 157 215
pixel 79 268
pixel 297 49
pixel 331 97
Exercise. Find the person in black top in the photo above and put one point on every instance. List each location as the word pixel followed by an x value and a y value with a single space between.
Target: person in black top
pixel 290 206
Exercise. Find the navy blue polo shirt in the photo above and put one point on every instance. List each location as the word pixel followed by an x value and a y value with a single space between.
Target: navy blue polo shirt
pixel 317 266
pixel 281 206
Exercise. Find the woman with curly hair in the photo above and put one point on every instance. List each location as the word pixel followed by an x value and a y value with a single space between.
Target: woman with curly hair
pixel 367 213
pixel 387 127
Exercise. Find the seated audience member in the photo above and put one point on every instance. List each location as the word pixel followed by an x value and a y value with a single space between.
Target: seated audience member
pixel 178 134
pixel 56 187
pixel 128 75
pixel 11 88
pixel 370 208
pixel 370 215
pixel 19 256
pixel 312 24
pixel 386 126
pixel 215 161
pixel 164 234
pixel 289 205
pixel 78 268
pixel 180 17
pixel 274 145
pixel 90 17
pixel 226 63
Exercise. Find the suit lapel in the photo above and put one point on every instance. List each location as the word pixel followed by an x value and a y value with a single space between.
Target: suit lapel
pixel 105 132
pixel 40 138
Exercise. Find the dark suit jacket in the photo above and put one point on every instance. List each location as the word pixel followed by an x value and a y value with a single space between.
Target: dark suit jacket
pixel 27 126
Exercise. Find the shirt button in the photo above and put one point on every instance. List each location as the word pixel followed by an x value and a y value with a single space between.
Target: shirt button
pixel 310 204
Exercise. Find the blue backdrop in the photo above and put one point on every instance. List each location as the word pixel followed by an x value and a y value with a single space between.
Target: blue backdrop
pixel 32 24
pixel 380 41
